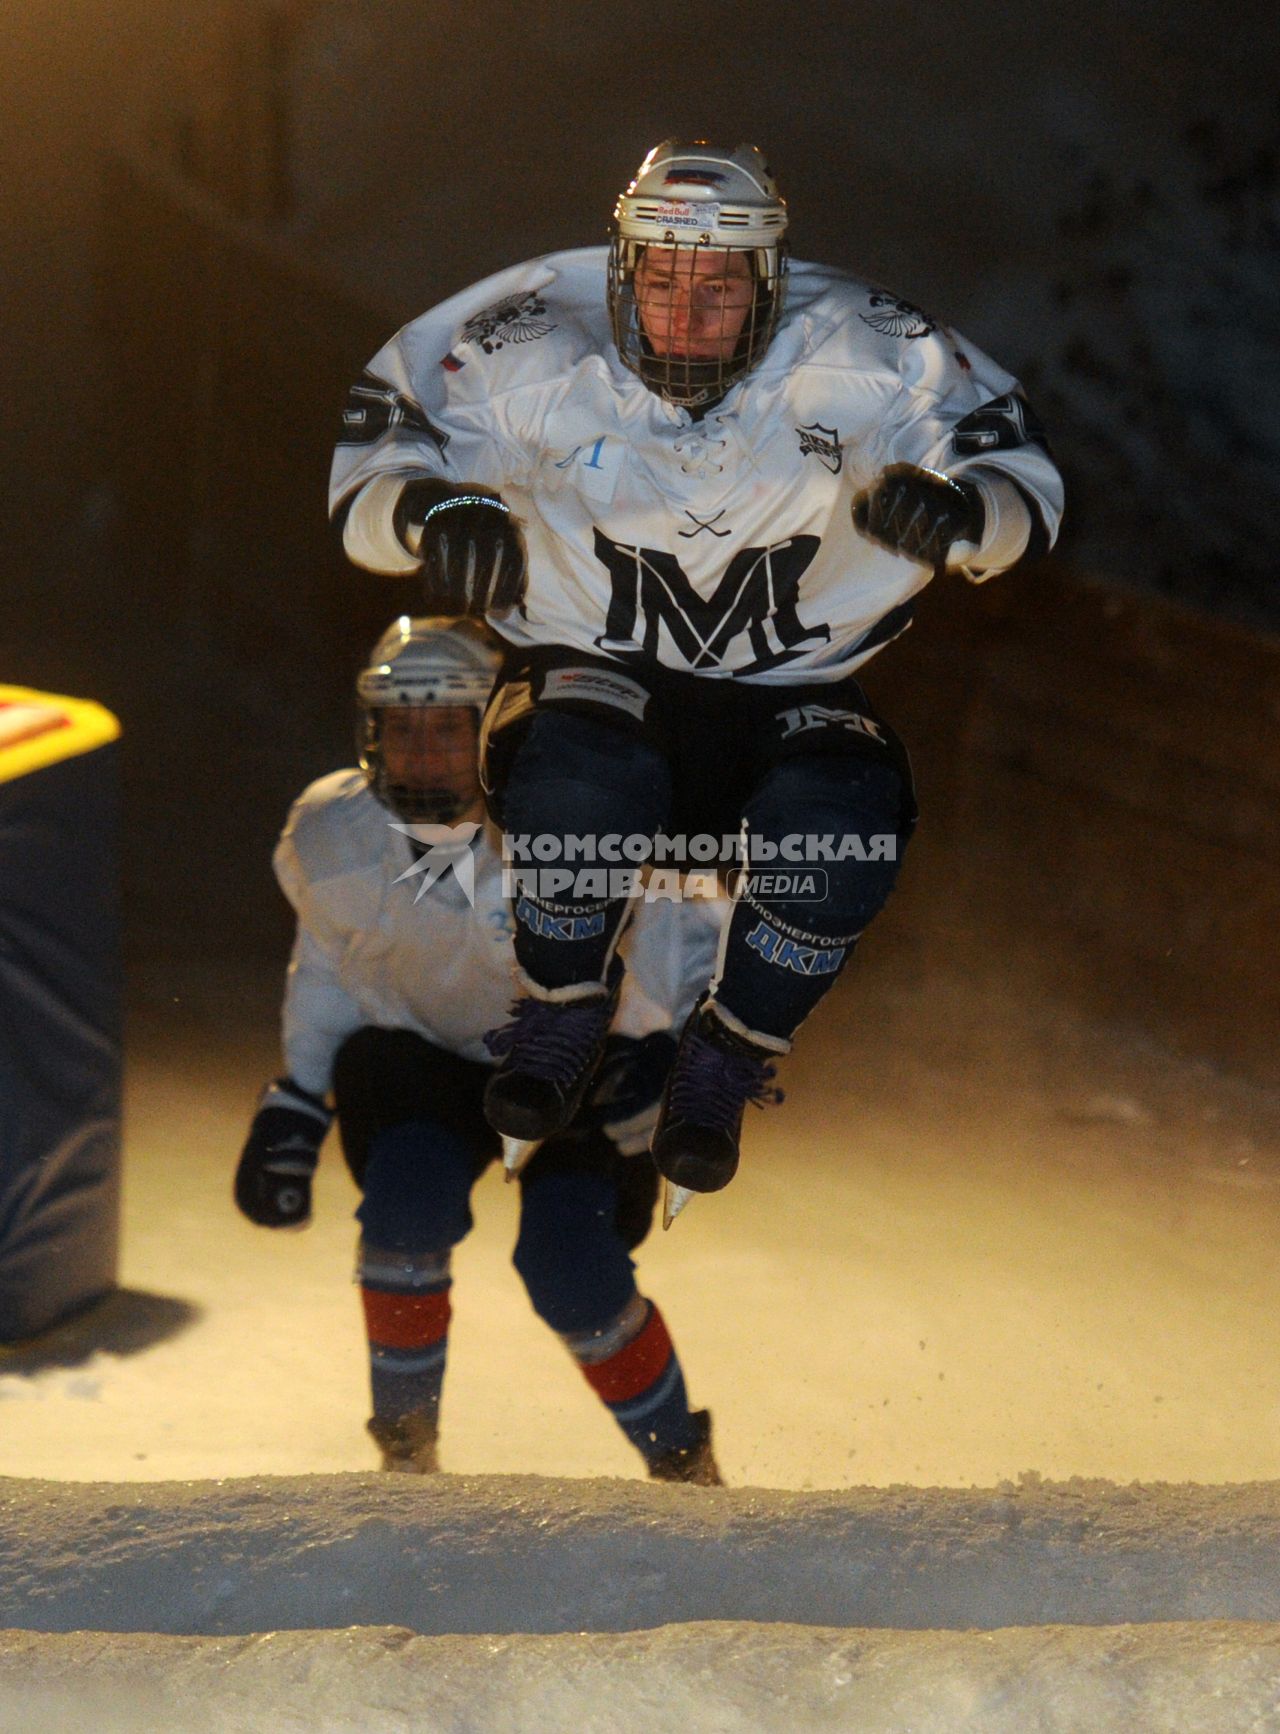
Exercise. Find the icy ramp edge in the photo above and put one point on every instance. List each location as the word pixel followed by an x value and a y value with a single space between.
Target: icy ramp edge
pixel 524 1554
pixel 1184 1679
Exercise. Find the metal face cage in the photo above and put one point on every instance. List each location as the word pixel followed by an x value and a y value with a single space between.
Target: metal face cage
pixel 417 668
pixel 688 380
pixel 425 801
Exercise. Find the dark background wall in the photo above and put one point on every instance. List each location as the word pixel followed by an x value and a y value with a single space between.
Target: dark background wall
pixel 1091 195
pixel 215 211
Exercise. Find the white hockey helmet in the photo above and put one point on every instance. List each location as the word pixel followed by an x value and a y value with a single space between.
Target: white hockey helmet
pixel 419 664
pixel 691 197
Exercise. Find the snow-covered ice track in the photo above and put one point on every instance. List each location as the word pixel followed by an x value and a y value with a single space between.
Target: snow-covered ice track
pixel 525 1554
pixel 733 1679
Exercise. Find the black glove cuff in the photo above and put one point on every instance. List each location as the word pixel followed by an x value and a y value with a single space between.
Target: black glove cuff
pixel 971 530
pixel 291 1084
pixel 421 500
pixel 283 1095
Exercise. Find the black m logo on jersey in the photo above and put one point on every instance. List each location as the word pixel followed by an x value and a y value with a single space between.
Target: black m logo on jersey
pixel 757 595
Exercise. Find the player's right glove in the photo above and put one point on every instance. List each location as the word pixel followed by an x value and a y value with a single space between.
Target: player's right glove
pixel 625 1096
pixel 469 543
pixel 623 1103
pixel 273 1181
pixel 919 513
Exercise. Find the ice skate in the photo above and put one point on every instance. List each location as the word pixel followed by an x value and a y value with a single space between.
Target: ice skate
pixel 719 1069
pixel 517 1153
pixel 549 1054
pixel 409 1446
pixel 674 1199
pixel 694 1464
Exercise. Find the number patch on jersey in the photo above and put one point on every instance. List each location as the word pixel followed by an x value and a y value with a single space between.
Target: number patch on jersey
pixel 374 405
pixel 999 426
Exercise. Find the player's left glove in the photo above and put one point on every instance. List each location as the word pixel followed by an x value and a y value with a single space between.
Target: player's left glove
pixel 628 1088
pixel 624 1103
pixel 919 513
pixel 273 1180
pixel 622 1107
pixel 470 545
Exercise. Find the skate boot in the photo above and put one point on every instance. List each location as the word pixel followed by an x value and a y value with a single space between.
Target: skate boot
pixel 719 1068
pixel 694 1464
pixel 549 1055
pixel 408 1446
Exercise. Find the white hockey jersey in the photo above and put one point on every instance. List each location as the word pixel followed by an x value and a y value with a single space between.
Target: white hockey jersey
pixel 369 950
pixel 724 545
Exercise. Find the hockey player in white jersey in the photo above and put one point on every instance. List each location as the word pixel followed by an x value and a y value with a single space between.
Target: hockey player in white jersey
pixel 694 491
pixel 402 962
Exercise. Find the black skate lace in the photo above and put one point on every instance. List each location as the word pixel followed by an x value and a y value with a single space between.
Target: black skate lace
pixel 549 1041
pixel 711 1086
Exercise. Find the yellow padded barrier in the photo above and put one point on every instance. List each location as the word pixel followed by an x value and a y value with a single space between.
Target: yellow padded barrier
pixel 40 728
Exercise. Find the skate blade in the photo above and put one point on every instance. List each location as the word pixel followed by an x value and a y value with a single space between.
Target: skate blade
pixel 517 1152
pixel 674 1199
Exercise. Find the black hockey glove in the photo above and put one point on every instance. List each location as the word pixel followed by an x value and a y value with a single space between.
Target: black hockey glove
pixel 919 514
pixel 623 1104
pixel 637 1181
pixel 469 543
pixel 273 1181
pixel 628 1088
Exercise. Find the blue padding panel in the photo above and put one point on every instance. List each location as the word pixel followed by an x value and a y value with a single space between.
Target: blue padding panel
pixel 60 1062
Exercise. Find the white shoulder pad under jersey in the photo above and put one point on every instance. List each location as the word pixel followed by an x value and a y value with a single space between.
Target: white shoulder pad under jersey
pixel 370 950
pixel 375 947
pixel 725 545
pixel 423 404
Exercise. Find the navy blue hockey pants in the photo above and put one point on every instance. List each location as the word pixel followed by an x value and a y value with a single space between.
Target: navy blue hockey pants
pixel 416 1141
pixel 822 816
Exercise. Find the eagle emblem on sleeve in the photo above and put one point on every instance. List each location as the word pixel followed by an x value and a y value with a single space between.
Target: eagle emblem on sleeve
pixel 518 319
pixel 897 318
